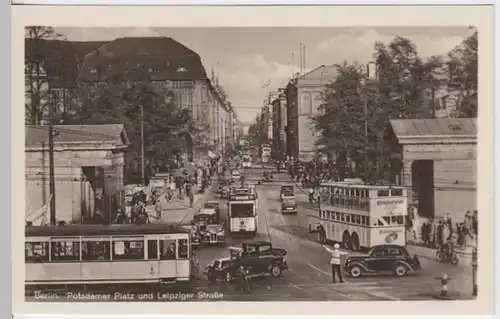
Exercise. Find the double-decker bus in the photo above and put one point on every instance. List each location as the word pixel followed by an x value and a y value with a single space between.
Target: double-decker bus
pixel 242 213
pixel 265 153
pixel 112 254
pixel 360 215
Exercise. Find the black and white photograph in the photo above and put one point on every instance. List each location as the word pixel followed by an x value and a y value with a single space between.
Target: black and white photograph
pixel 256 164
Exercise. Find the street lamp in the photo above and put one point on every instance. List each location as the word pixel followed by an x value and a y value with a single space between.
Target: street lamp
pixel 142 146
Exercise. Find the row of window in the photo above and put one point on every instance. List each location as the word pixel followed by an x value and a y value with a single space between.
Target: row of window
pixel 356 219
pixel 357 192
pixel 105 250
pixel 346 201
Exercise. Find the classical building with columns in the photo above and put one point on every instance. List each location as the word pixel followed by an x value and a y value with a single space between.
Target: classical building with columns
pixel 439 164
pixel 88 170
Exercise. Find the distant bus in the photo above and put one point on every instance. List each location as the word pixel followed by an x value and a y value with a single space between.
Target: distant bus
pixel 360 215
pixel 247 161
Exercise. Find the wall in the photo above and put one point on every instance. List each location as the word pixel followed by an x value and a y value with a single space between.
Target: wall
pixel 310 98
pixel 74 195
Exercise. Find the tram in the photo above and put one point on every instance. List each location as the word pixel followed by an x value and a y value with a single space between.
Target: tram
pixel 113 254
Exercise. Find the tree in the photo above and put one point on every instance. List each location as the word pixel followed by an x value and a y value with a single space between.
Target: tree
pixel 462 77
pixel 118 101
pixel 402 90
pixel 37 90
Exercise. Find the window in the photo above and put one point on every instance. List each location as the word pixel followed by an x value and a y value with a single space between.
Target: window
pixel 182 248
pixel 167 249
pixel 181 69
pixel 379 223
pixel 65 250
pixel 36 251
pixel 152 249
pixel 397 220
pixel 337 215
pixel 358 220
pixel 342 217
pixel 387 219
pixel 95 250
pixel 392 252
pixel 365 220
pixel 357 193
pixel 347 218
pixel 382 193
pixel 128 249
pixel 396 192
pixel 327 215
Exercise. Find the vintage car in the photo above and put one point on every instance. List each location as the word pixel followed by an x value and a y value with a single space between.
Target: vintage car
pixel 268 176
pixel 213 234
pixel 289 206
pixel 201 219
pixel 235 176
pixel 257 258
pixel 213 204
pixel 383 259
pixel 286 193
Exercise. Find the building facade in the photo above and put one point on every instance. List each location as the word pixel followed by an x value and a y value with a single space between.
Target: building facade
pixel 88 172
pixel 58 67
pixel 304 96
pixel 279 124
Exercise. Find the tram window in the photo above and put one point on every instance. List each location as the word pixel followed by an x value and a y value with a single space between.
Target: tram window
pixel 95 250
pixel 182 249
pixel 65 251
pixel 382 193
pixel 337 215
pixel 153 249
pixel 128 250
pixel 357 193
pixel 396 192
pixel 365 220
pixel 342 217
pixel 399 220
pixel 387 219
pixel 36 252
pixel 167 249
pixel 327 215
pixel 347 218
pixel 379 223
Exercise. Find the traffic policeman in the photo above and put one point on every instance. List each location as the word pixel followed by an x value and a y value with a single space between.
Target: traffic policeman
pixel 335 261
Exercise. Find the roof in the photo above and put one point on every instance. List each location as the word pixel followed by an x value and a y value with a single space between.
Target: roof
pixel 103 133
pixel 106 230
pixel 466 127
pixel 161 58
pixel 360 186
pixel 61 59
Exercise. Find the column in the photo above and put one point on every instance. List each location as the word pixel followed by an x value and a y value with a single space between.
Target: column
pixel 407 179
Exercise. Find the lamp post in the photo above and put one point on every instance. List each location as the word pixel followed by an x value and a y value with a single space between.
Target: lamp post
pixel 142 147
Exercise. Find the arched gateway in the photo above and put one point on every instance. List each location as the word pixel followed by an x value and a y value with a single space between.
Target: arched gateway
pixel 438 164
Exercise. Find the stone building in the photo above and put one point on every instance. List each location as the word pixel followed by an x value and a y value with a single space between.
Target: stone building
pixel 304 95
pixel 88 169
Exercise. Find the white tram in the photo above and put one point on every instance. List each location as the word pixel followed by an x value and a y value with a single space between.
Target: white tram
pixel 360 215
pixel 115 254
pixel 242 213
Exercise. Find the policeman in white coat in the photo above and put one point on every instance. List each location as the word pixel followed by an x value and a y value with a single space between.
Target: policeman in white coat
pixel 335 261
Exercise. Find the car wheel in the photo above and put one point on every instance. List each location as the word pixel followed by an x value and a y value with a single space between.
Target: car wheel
pixel 228 277
pixel 454 259
pixel 275 271
pixel 400 270
pixel 355 272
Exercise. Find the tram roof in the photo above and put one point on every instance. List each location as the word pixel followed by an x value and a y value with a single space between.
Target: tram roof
pixel 360 186
pixel 105 230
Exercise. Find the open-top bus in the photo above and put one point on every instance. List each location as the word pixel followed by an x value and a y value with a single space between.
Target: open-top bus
pixel 242 213
pixel 114 254
pixel 360 215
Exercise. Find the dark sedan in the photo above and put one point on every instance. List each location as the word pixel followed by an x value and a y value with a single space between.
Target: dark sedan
pixel 289 206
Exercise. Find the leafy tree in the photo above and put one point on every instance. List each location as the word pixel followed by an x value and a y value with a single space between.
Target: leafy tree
pixel 402 89
pixel 37 89
pixel 462 77
pixel 118 101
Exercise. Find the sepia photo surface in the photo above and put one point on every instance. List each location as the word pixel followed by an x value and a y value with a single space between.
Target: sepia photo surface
pixel 283 158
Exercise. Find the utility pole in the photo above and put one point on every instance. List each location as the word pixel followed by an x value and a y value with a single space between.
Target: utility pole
pixel 142 147
pixel 52 186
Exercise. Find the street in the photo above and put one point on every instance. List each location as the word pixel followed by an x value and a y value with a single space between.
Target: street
pixel 309 275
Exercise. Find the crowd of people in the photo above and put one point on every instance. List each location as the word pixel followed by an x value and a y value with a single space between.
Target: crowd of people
pixel 436 233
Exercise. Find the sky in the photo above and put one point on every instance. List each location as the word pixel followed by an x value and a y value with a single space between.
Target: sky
pixel 251 62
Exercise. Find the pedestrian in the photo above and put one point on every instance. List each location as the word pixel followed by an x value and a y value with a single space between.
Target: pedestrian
pixel 158 209
pixel 335 262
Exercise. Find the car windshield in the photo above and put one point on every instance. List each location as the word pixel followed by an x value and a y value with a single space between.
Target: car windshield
pixel 289 203
pixel 246 159
pixel 211 205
